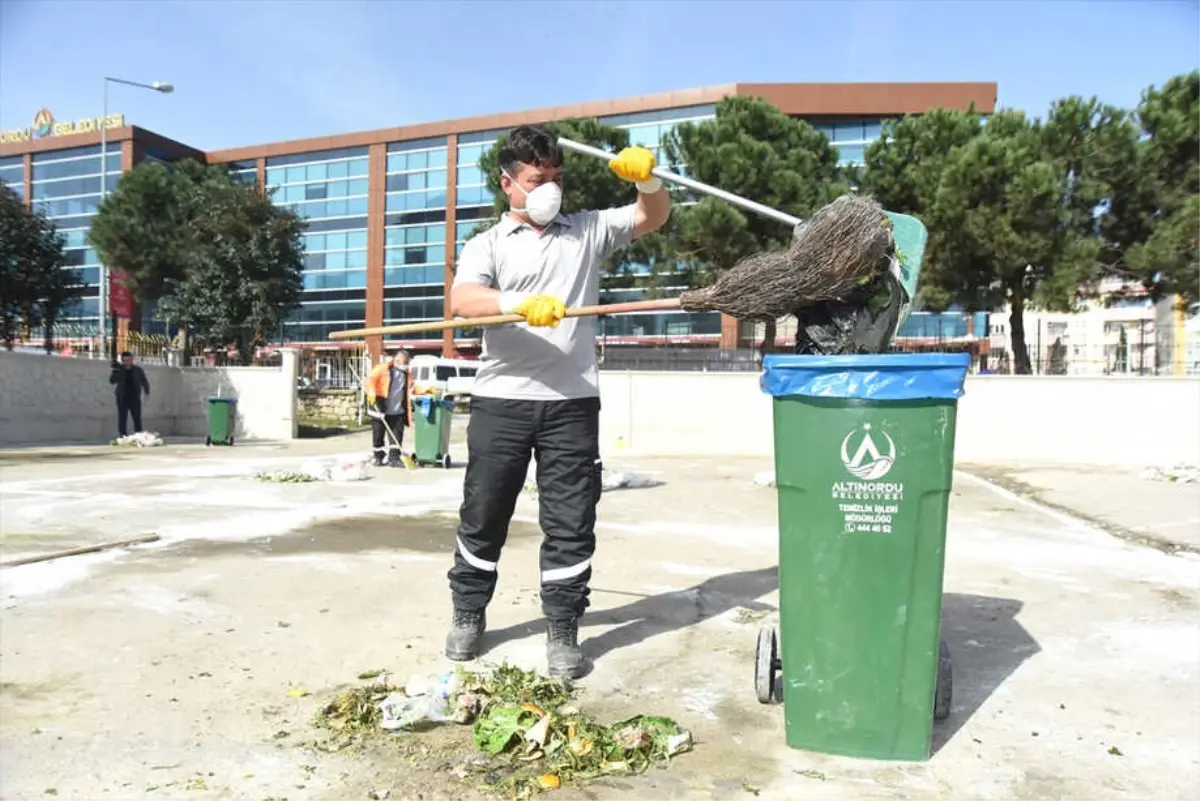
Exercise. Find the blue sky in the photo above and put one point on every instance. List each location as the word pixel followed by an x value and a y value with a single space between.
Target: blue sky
pixel 252 72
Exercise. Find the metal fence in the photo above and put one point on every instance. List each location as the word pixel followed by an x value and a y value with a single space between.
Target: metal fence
pixel 151 349
pixel 333 369
pixel 1118 358
pixel 681 359
pixel 741 360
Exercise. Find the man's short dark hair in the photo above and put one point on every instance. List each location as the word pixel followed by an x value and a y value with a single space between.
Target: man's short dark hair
pixel 394 352
pixel 125 353
pixel 529 144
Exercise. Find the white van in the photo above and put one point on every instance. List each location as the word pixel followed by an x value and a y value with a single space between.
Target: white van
pixel 449 376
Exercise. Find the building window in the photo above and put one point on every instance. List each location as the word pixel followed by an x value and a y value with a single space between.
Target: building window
pixel 414 255
pixel 329 190
pixel 65 186
pixel 648 129
pixel 850 136
pixel 316 320
pixel 12 173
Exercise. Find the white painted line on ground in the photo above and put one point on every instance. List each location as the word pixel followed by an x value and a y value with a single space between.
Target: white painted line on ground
pixel 1066 520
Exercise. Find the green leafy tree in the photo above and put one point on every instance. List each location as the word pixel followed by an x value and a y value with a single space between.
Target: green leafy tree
pixel 214 254
pixel 1168 261
pixel 904 169
pixel 147 225
pixel 1163 252
pixel 1000 228
pixel 753 150
pixel 1094 147
pixel 904 166
pixel 36 288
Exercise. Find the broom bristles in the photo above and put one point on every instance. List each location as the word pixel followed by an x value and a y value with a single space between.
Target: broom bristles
pixel 831 253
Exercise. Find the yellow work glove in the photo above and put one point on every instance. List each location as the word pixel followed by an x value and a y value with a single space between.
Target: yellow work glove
pixel 633 164
pixel 541 310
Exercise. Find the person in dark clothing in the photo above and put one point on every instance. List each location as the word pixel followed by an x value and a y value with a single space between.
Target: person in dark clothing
pixel 538 394
pixel 388 406
pixel 129 382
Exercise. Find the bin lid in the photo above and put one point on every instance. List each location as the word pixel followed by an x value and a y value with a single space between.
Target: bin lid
pixel 882 376
pixel 215 399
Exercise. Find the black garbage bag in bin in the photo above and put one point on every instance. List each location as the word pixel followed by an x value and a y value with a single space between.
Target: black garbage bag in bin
pixel 866 322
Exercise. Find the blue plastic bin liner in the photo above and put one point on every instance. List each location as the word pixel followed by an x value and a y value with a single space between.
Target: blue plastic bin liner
pixel 426 404
pixel 875 377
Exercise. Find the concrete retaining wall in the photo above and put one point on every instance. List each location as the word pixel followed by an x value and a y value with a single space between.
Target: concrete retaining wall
pixel 1150 421
pixel 50 399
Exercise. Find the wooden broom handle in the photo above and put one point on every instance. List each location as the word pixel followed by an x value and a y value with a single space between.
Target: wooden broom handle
pixel 503 319
pixel 104 546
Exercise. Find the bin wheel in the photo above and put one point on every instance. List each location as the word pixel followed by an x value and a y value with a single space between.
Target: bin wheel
pixel 207 441
pixel 445 461
pixel 766 663
pixel 944 693
pixel 229 441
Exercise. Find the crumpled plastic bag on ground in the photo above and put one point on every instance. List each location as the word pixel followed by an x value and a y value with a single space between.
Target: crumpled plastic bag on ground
pixel 338 468
pixel 610 480
pixel 424 698
pixel 142 439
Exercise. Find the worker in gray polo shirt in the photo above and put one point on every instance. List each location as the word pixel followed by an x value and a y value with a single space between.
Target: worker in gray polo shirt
pixel 538 391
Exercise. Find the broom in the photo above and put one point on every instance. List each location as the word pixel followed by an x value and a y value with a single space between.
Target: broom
pixel 833 253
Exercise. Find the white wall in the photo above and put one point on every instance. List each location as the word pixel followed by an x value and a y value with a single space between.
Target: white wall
pixel 1112 420
pixel 51 399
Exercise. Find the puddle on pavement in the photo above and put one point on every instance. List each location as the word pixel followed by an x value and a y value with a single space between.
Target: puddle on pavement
pixel 424 534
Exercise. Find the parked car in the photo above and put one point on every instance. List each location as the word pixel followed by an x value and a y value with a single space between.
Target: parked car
pixel 448 376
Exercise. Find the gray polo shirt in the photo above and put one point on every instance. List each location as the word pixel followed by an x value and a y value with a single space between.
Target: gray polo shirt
pixel 525 362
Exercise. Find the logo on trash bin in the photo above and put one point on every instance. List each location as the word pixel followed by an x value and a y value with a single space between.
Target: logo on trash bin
pixel 868 462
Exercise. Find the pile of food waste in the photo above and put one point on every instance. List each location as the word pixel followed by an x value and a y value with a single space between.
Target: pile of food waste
pixel 526 725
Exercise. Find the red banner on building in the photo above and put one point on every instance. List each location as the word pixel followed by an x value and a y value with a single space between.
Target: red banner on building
pixel 120 300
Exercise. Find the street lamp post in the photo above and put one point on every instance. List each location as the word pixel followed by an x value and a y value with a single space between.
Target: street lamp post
pixel 157 86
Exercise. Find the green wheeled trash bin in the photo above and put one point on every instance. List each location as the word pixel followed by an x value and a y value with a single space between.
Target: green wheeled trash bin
pixel 864 458
pixel 220 413
pixel 432 417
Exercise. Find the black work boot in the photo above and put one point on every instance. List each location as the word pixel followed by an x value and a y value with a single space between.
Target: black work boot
pixel 564 658
pixel 394 459
pixel 378 459
pixel 466 635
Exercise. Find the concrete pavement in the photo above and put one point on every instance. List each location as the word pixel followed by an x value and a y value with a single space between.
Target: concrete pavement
pixel 1124 501
pixel 165 668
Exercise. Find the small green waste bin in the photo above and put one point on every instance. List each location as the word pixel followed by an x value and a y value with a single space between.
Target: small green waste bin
pixel 864 456
pixel 431 429
pixel 220 413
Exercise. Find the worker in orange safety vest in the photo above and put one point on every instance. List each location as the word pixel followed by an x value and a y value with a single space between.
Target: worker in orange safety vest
pixel 389 406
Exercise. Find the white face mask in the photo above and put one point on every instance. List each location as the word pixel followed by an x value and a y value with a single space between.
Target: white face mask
pixel 542 203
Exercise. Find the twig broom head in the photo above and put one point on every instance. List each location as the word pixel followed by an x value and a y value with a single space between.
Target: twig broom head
pixel 832 254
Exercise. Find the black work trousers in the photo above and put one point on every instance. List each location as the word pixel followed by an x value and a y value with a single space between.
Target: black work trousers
pixel 129 408
pixel 563 436
pixel 381 443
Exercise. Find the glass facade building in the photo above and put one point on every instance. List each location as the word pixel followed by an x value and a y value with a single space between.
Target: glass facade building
pixel 65 185
pixel 12 174
pixel 329 190
pixel 386 225
pixel 414 256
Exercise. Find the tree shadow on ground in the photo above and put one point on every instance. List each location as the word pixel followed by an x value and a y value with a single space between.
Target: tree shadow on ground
pixel 987 643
